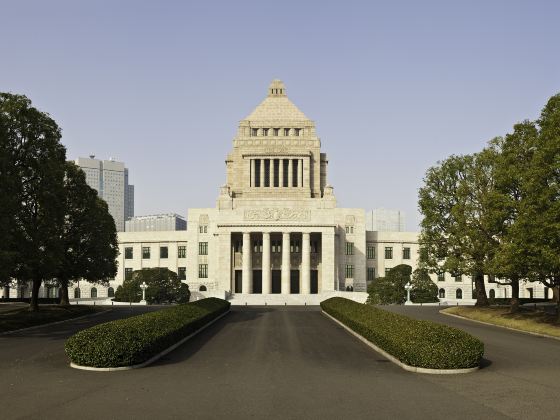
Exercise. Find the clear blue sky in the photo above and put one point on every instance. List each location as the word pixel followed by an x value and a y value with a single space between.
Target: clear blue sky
pixel 393 86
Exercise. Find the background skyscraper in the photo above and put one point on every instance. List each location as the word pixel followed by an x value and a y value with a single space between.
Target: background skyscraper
pixel 110 179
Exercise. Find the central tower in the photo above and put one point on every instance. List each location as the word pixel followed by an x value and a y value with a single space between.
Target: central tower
pixel 276 155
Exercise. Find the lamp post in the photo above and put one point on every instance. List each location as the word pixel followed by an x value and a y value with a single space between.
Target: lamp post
pixel 408 288
pixel 143 286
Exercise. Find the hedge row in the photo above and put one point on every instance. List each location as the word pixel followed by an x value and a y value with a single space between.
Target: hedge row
pixel 134 340
pixel 416 343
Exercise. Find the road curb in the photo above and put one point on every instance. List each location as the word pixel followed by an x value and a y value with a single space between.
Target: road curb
pixel 154 358
pixel 397 361
pixel 56 322
pixel 500 326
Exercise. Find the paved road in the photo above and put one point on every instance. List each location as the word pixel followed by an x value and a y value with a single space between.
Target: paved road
pixel 260 363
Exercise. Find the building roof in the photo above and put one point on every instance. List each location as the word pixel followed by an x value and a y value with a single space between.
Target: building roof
pixel 276 107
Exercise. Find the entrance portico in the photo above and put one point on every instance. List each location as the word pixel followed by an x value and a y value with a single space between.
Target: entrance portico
pixel 260 256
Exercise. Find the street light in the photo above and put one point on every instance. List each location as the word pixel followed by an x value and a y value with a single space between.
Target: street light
pixel 408 288
pixel 143 286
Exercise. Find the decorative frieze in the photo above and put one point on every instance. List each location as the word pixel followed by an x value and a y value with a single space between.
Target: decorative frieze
pixel 278 214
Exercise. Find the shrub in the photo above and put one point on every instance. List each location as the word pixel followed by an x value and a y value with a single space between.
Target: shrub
pixel 424 290
pixel 390 289
pixel 416 343
pixel 130 341
pixel 163 287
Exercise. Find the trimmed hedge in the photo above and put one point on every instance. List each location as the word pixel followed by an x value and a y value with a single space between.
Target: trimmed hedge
pixel 416 343
pixel 130 341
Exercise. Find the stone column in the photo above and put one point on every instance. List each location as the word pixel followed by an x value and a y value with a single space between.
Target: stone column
pixel 266 268
pixel 247 276
pixel 281 173
pixel 285 263
pixel 290 173
pixel 305 264
pixel 329 277
pixel 262 173
pixel 300 171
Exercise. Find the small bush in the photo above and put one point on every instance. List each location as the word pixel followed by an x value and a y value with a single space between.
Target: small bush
pixel 130 341
pixel 416 343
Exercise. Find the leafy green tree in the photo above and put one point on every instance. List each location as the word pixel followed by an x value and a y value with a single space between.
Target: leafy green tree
pixel 390 289
pixel 89 236
pixel 423 288
pixel 514 161
pixel 35 157
pixel 163 287
pixel 462 214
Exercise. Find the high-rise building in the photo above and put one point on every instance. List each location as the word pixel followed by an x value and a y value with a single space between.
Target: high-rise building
pixel 385 220
pixel 156 223
pixel 110 179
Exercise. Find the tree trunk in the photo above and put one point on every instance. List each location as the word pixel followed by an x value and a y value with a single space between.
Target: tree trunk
pixel 481 298
pixel 34 304
pixel 556 294
pixel 514 303
pixel 64 299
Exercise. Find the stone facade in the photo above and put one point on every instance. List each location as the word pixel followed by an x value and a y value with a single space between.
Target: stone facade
pixel 276 234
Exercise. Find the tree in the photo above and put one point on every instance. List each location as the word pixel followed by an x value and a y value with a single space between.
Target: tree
pixel 423 288
pixel 35 157
pixel 163 287
pixel 462 215
pixel 539 214
pixel 390 289
pixel 89 237
pixel 515 154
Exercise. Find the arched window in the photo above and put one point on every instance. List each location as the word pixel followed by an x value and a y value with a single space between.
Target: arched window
pixel 111 292
pixel 442 293
pixel 77 293
pixel 459 294
pixel 202 288
pixel 93 292
pixel 492 294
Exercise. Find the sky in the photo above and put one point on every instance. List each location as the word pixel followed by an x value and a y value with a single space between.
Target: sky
pixel 393 86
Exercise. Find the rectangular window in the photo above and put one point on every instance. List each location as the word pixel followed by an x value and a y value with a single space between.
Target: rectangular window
pixel 265 132
pixel 254 132
pixel 163 251
pixel 458 278
pixel 257 246
pixel 370 252
pixel 388 252
pixel 182 273
pixel 203 248
pixel 371 273
pixel 286 132
pixel 349 271
pixel 267 172
pixel 276 247
pixel 128 255
pixel 127 273
pixel 258 180
pixel 296 131
pixel 294 172
pixel 276 170
pixel 441 277
pixel 182 251
pixel 145 252
pixel 349 248
pixel 276 131
pixel 238 246
pixel 314 247
pixel 203 271
pixel 294 246
pixel 406 253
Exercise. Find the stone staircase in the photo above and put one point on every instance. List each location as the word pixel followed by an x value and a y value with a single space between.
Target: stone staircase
pixel 239 299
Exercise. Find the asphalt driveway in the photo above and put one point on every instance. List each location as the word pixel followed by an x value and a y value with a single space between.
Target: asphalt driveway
pixel 269 363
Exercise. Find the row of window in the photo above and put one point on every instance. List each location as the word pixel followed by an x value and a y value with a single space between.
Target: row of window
pixel 276 246
pixel 181 272
pixel 370 250
pixel 266 132
pixel 458 278
pixel 163 252
pixel 389 253
pixel 93 292
pixel 459 294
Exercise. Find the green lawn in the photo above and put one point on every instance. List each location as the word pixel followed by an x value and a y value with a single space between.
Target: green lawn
pixel 14 317
pixel 529 320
